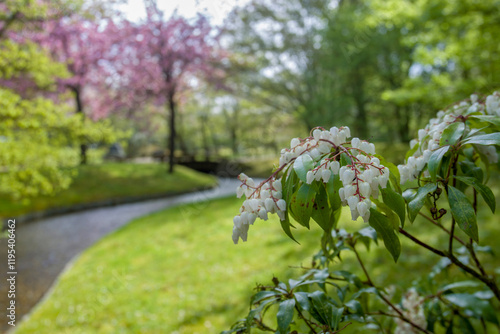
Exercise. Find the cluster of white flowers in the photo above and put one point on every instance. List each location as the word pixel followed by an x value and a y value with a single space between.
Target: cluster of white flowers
pixel 320 143
pixel 360 179
pixel 413 310
pixel 429 137
pixel 261 200
pixel 493 104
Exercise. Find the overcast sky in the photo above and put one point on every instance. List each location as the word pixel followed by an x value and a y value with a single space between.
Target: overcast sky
pixel 216 10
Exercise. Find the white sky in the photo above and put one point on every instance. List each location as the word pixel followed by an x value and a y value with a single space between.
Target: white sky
pixel 216 10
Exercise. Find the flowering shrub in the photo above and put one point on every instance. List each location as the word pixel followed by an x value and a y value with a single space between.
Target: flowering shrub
pixel 443 174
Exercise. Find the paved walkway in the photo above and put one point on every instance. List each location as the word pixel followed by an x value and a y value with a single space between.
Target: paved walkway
pixel 44 247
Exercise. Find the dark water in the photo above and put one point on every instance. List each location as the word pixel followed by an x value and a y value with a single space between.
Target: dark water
pixel 43 248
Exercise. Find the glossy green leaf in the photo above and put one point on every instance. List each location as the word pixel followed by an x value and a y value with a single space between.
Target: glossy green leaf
pixel 470 169
pixel 261 295
pixel 302 165
pixel 288 185
pixel 285 315
pixel 452 133
pixel 385 229
pixel 480 308
pixel 301 204
pixel 463 212
pixel 345 160
pixel 332 188
pixel 462 284
pixel 417 202
pixel 495 120
pixel 285 225
pixel 321 212
pixel 396 202
pixel 355 307
pixel 487 139
pixel 465 326
pixel 324 310
pixel 303 300
pixel 435 161
pixel 394 175
pixel 391 216
pixel 485 192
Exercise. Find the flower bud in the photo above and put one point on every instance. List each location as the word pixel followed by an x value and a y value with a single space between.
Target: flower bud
pixel 335 166
pixel 277 185
pixel 355 142
pixel 309 177
pixel 239 191
pixel 365 190
pixel 353 202
pixel 317 134
pixel 362 207
pixel 281 214
pixel 325 174
pixel 237 221
pixel 294 142
pixel 348 176
pixel 269 204
pixel 281 204
pixel 263 214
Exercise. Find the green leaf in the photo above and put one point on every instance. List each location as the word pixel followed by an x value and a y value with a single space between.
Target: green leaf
pixel 411 151
pixel 302 165
pixel 321 212
pixel 285 225
pixel 394 175
pixel 391 216
pixel 466 326
pixel 463 212
pixel 355 307
pixel 417 202
pixel 385 229
pixel 345 160
pixel 289 184
pixel 332 188
pixel 495 120
pixel 458 285
pixel 480 308
pixel 324 310
pixel 485 192
pixel 261 295
pixel 285 315
pixel 452 133
pixel 488 139
pixel 396 202
pixel 470 169
pixel 350 277
pixel 301 204
pixel 435 161
pixel 303 300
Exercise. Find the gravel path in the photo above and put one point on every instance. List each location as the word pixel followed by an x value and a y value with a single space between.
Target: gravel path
pixel 43 248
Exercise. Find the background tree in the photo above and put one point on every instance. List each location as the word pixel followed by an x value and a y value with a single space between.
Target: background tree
pixel 83 45
pixel 35 130
pixel 169 55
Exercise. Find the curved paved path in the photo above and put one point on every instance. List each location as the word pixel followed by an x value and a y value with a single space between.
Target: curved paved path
pixel 44 247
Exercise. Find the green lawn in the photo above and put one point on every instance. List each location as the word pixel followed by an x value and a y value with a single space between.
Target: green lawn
pixel 177 271
pixel 112 180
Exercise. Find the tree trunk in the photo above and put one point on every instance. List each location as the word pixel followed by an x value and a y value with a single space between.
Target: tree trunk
pixel 204 136
pixel 171 140
pixel 402 118
pixel 79 109
pixel 361 122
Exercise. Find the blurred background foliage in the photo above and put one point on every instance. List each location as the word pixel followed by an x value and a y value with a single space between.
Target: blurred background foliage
pixel 381 67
